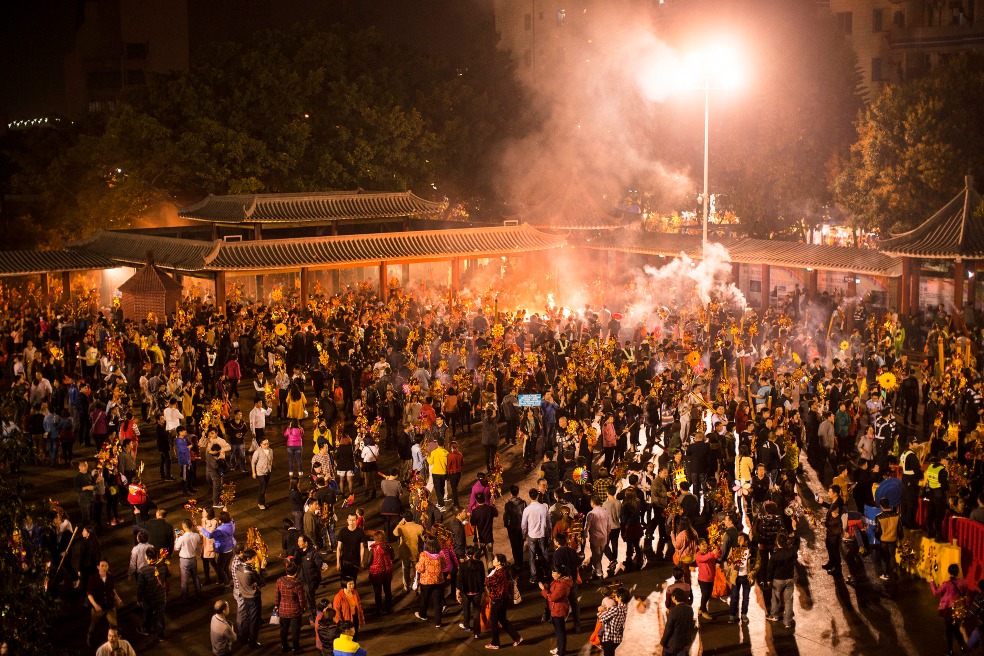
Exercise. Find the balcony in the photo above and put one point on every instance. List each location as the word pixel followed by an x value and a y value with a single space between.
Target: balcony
pixel 936 38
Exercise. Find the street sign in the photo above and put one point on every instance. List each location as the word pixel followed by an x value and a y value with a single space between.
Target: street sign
pixel 530 400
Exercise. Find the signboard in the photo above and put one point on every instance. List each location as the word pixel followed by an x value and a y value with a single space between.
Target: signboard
pixel 530 400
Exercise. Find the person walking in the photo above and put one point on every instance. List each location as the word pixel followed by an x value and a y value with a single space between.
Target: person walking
pixel 678 632
pixel 221 632
pixel 781 574
pixel 381 574
pixel 740 568
pixel 706 569
pixel 512 519
pixel 262 465
pixel 103 599
pixel 611 616
pixel 596 527
pixel 499 587
pixel 310 565
pixel 249 588
pixel 557 594
pixel 949 592
pixel 295 440
pixel 152 595
pixel 290 606
pixel 431 566
pixel 347 605
pixel 536 528
pixel 188 546
pixel 471 578
pixel 887 531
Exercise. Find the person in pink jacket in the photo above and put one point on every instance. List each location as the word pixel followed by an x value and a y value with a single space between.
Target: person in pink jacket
pixel 706 568
pixel 295 438
pixel 949 592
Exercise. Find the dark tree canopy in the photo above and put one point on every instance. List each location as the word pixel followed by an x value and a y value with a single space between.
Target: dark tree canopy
pixel 309 109
pixel 914 146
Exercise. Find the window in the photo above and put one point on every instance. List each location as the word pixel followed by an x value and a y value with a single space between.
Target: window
pixel 103 80
pixel 561 16
pixel 528 58
pixel 876 70
pixel 845 20
pixel 528 22
pixel 136 50
pixel 878 20
pixel 135 76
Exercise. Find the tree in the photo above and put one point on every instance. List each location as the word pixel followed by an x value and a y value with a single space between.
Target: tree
pixel 914 146
pixel 299 111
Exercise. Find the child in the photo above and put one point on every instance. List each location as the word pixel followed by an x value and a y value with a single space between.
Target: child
pixel 360 518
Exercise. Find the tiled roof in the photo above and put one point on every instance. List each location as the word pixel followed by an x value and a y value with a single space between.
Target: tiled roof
pixel 954 231
pixel 150 279
pixel 132 248
pixel 392 246
pixel 569 208
pixel 23 263
pixel 312 207
pixel 756 251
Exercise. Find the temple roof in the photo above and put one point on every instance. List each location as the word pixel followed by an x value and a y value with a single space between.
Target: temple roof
pixel 955 231
pixel 150 279
pixel 755 251
pixel 23 263
pixel 311 207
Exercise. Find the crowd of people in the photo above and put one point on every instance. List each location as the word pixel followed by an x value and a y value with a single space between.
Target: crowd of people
pixel 605 449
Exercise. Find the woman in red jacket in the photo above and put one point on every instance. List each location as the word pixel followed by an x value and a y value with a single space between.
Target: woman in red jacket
pixel 498 585
pixel 706 569
pixel 557 594
pixel 381 573
pixel 348 605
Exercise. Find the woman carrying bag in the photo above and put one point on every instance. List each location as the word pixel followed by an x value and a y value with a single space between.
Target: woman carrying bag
pixel 557 594
pixel 685 545
pixel 499 587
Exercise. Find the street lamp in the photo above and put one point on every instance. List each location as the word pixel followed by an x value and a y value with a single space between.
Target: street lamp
pixel 715 67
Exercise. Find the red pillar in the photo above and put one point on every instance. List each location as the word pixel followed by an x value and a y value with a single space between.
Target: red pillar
pixel 220 292
pixel 905 283
pixel 305 288
pixel 66 287
pixel 972 283
pixel 455 276
pixel 852 287
pixel 766 287
pixel 736 274
pixel 383 286
pixel 958 285
pixel 812 283
pixel 915 269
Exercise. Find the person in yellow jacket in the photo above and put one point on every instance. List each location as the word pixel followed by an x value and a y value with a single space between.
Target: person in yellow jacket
pixel 322 430
pixel 295 402
pixel 438 461
pixel 937 484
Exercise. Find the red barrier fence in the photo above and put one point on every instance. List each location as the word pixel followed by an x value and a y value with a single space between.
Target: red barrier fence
pixel 970 538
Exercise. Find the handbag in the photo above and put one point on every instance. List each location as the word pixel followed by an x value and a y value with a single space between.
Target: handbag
pixel 275 616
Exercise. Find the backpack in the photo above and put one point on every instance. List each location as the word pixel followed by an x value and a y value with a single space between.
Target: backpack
pixel 514 513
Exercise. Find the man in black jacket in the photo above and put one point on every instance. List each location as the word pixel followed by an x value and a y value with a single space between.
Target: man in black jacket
pixel 701 463
pixel 512 518
pixel 160 533
pixel 781 575
pixel 151 594
pixel 310 565
pixel 471 584
pixel 679 630
pixel 571 561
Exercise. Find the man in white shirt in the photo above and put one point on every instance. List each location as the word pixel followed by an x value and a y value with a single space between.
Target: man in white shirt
pixel 257 420
pixel 172 416
pixel 536 528
pixel 115 645
pixel 189 545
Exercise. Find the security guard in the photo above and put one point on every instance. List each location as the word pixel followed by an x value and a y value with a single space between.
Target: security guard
pixel 936 487
pixel 911 473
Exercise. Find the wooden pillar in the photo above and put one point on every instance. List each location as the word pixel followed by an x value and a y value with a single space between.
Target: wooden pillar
pixel 405 274
pixel 334 228
pixel 215 231
pixel 915 269
pixel 904 284
pixel 257 231
pixel 972 283
pixel 45 289
pixel 736 274
pixel 852 287
pixel 336 281
pixel 66 287
pixel 455 276
pixel 220 292
pixel 383 287
pixel 406 224
pixel 260 292
pixel 766 287
pixel 812 283
pixel 305 291
pixel 958 285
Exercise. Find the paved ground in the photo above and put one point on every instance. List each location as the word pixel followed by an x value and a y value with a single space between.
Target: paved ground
pixel 831 617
